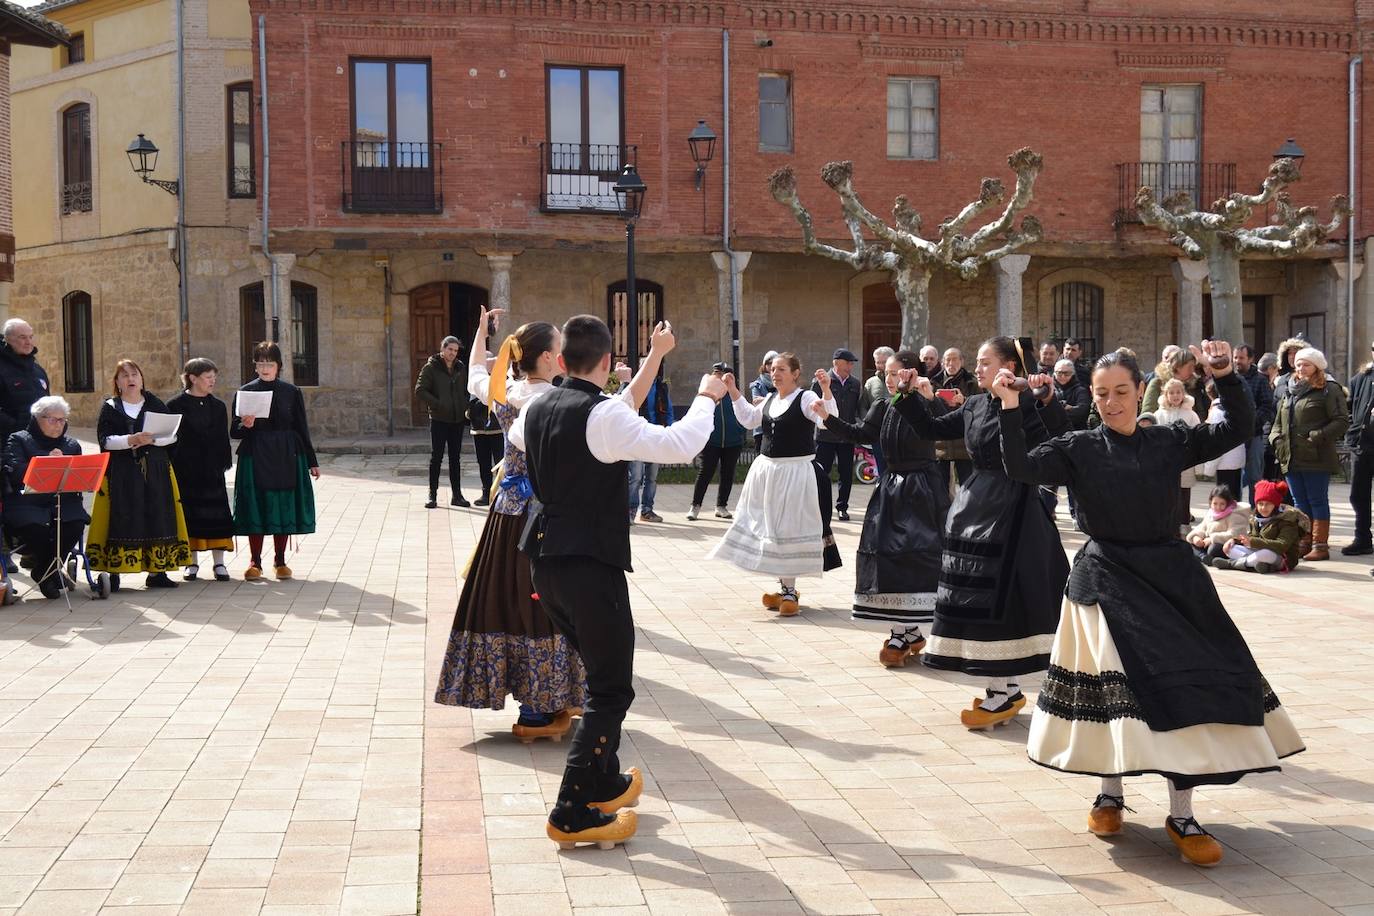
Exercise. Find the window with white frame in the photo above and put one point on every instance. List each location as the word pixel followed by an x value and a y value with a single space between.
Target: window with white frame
pixel 913 118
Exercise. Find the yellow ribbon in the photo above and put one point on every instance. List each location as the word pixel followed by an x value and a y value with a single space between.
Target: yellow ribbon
pixel 510 351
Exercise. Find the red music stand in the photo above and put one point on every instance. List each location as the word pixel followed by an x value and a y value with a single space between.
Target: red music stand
pixel 59 474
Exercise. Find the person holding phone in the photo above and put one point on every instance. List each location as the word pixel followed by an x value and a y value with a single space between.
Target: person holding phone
pixel 136 521
pixel 722 450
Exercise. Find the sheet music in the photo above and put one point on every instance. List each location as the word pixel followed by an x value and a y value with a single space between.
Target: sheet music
pixel 253 404
pixel 163 426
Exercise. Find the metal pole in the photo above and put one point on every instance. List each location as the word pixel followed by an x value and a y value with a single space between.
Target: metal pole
pixel 631 298
pixel 266 171
pixel 735 292
pixel 1350 235
pixel 183 265
pixel 390 370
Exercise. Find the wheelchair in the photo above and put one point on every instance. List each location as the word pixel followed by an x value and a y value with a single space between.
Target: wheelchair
pixel 76 562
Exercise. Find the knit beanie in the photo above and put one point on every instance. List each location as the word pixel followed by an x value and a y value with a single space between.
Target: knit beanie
pixel 1313 356
pixel 1271 491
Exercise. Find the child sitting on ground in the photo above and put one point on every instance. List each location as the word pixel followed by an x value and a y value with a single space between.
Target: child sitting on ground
pixel 1224 521
pixel 1272 541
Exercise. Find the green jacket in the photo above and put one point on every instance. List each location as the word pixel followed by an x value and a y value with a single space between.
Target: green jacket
pixel 1281 533
pixel 444 392
pixel 1310 423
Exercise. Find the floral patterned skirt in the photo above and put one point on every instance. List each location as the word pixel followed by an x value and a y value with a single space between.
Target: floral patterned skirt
pixel 502 641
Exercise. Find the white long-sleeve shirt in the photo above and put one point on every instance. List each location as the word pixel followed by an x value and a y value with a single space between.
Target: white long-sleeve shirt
pixel 116 443
pixel 519 392
pixel 751 415
pixel 616 432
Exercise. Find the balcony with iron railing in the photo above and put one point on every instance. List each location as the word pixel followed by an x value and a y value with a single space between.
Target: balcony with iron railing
pixel 76 197
pixel 580 177
pixel 380 176
pixel 1204 182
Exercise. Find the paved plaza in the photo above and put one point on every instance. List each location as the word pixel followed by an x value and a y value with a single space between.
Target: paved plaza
pixel 271 747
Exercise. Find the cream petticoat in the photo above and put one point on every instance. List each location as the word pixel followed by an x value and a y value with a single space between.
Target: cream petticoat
pixel 777 525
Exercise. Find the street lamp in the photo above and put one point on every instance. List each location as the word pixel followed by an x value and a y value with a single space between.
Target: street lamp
pixel 143 159
pixel 1290 150
pixel 629 192
pixel 702 141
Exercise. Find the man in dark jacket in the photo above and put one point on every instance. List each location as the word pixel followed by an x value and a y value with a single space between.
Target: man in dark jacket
pixel 21 377
pixel 1082 366
pixel 1077 401
pixel 1360 438
pixel 443 388
pixel 1262 395
pixel 22 382
pixel 831 450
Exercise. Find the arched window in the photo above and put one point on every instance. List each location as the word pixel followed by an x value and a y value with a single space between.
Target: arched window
pixel 78 341
pixel 1077 312
pixel 650 296
pixel 305 330
pixel 76 159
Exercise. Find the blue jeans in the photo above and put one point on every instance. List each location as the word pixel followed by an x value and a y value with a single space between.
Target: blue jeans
pixel 643 486
pixel 1253 472
pixel 1310 493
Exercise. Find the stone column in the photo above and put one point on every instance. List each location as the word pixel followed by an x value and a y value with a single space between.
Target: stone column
pixel 1010 319
pixel 1336 336
pixel 284 262
pixel 500 264
pixel 725 280
pixel 1189 275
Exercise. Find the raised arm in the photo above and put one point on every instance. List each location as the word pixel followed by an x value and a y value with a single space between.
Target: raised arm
pixel 615 432
pixel 661 343
pixel 925 416
pixel 1207 441
pixel 1045 463
pixel 863 432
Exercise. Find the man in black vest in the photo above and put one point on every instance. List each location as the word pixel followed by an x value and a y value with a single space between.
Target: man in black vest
pixel 831 448
pixel 577 442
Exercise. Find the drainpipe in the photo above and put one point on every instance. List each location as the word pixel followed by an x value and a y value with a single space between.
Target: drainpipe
pixel 385 265
pixel 1350 236
pixel 183 293
pixel 267 171
pixel 735 291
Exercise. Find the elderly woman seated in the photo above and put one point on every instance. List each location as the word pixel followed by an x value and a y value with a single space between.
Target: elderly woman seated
pixel 29 517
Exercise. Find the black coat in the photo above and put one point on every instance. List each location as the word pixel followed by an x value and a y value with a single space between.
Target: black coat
pixel 25 509
pixel 288 415
pixel 200 457
pixel 22 381
pixel 846 394
pixel 1077 402
pixel 1360 435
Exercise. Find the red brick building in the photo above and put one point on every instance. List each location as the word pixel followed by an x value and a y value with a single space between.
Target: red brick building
pixel 428 156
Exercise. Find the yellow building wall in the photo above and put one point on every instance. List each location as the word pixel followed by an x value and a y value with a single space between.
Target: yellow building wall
pixel 125 99
pixel 230 19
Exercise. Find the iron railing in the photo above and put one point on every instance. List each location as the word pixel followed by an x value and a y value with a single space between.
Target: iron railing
pixel 242 182
pixel 379 176
pixel 580 177
pixel 1204 182
pixel 76 197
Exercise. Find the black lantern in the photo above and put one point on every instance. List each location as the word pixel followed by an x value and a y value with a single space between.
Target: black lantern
pixel 629 191
pixel 1290 150
pixel 702 141
pixel 143 156
pixel 143 159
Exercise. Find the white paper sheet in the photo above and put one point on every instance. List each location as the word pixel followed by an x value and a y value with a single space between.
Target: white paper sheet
pixel 253 404
pixel 163 426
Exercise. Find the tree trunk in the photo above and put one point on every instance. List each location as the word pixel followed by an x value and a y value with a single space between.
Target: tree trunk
pixel 1223 269
pixel 913 293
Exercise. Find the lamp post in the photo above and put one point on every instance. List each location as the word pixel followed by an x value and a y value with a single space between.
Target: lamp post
pixel 702 142
pixel 143 158
pixel 629 191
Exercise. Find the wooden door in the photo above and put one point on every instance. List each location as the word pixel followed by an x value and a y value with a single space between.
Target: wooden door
pixel 429 323
pixel 882 323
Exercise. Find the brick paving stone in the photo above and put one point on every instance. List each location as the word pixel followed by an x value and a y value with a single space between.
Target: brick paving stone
pixel 272 747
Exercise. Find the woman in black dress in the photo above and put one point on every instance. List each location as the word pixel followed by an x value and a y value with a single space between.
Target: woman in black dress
pixel 136 521
pixel 899 549
pixel 1002 571
pixel 200 457
pixel 1148 672
pixel 272 490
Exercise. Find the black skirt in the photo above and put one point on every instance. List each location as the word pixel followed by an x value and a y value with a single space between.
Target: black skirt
pixel 1002 578
pixel 898 568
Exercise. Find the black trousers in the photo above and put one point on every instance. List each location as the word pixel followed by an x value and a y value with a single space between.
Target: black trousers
pixel 726 458
pixel 1361 477
pixel 830 454
pixel 445 436
pixel 489 449
pixel 589 602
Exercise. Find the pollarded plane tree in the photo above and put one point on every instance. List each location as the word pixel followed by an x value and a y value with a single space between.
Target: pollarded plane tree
pixel 900 248
pixel 1219 236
